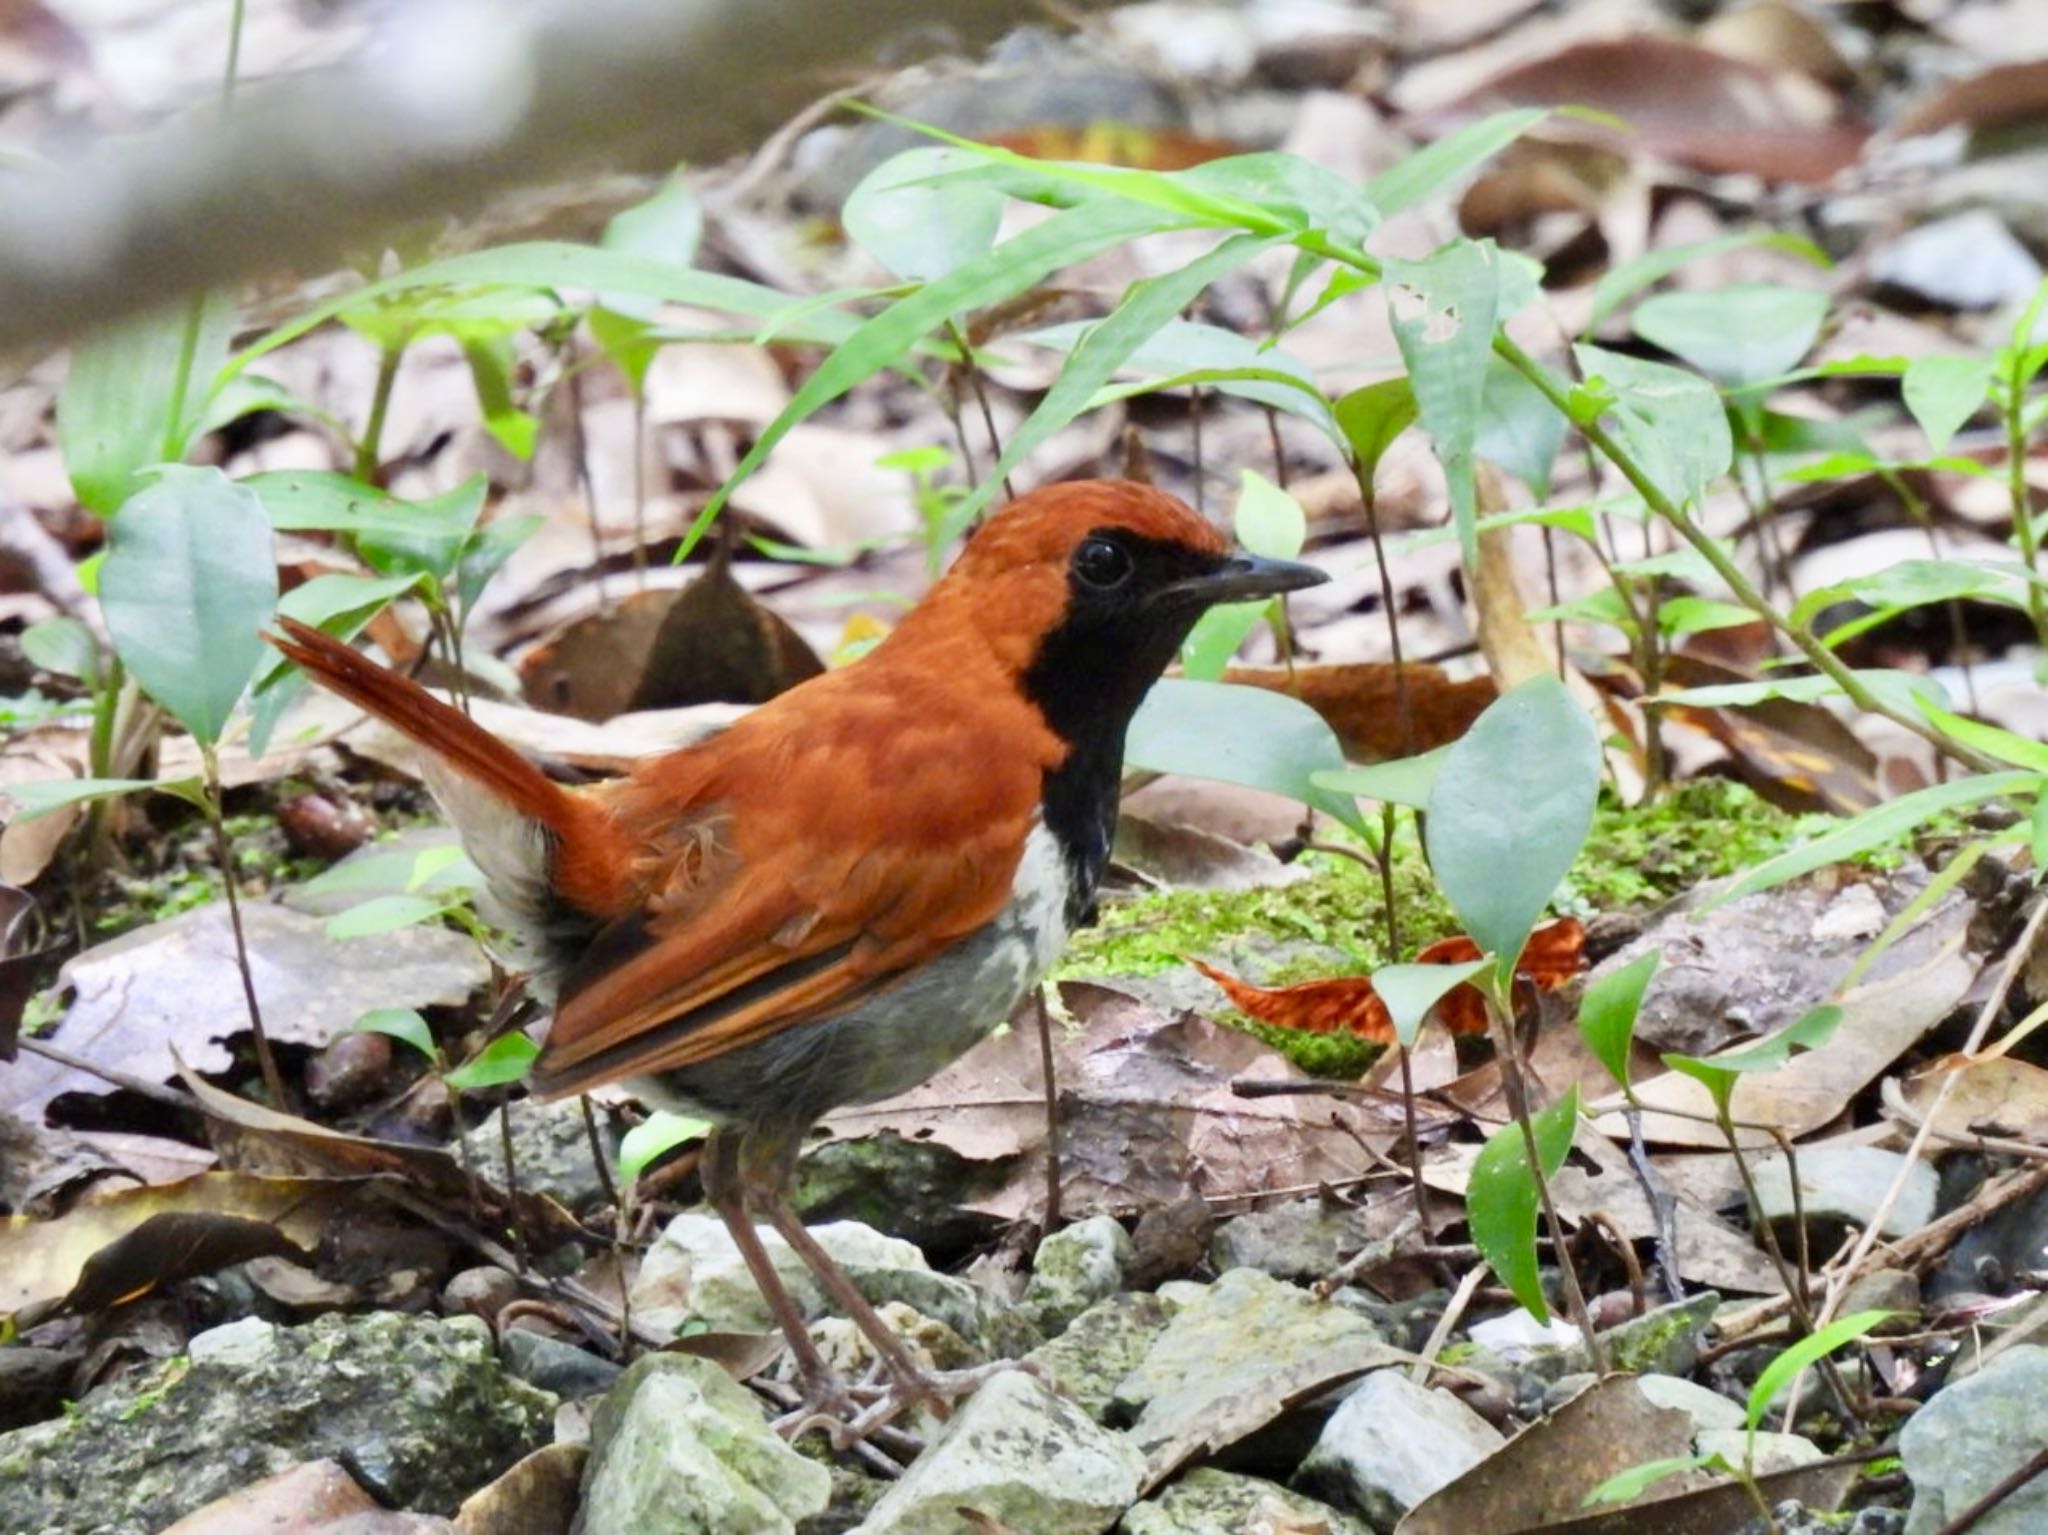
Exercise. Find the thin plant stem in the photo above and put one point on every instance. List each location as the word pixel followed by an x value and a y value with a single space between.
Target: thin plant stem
pixel 639 488
pixel 598 1159
pixel 584 479
pixel 224 853
pixel 988 415
pixel 512 1219
pixel 2016 484
pixel 1052 1115
pixel 369 449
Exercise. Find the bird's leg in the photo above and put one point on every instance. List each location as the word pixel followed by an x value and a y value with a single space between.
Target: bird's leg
pixel 825 1394
pixel 766 1180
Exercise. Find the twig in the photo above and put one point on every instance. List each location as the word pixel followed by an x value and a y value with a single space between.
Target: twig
pixel 597 1157
pixel 266 1060
pixel 1052 1116
pixel 1969 1518
pixel 1372 1255
pixel 1453 1310
pixel 1663 1203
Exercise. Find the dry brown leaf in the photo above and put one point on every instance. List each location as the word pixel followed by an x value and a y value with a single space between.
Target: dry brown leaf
pixel 315 1498
pixel 2010 93
pixel 1179 857
pixel 1361 701
pixel 536 1496
pixel 1994 1096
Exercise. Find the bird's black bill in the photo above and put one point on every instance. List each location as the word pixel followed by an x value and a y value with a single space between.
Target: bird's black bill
pixel 1245 578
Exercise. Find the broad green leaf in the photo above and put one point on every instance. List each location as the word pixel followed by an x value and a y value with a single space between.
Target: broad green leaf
pixel 394 537
pixel 658 1133
pixel 1908 584
pixel 1429 170
pixel 444 867
pixel 1269 522
pixel 492 365
pixel 1519 430
pixel 1671 421
pixel 1876 827
pixel 1993 742
pixel 1239 735
pixel 341 605
pixel 114 411
pixel 1304 195
pixel 44 795
pixel 1511 807
pixel 399 1023
pixel 1627 1486
pixel 1717 1073
pixel 64 646
pixel 383 914
pixel 1147 305
pixel 1372 416
pixel 508 1058
pixel 1215 639
pixel 1620 284
pixel 919 230
pixel 189 582
pixel 1695 615
pixel 666 228
pixel 1607 1012
pixel 1899 689
pixel 1602 605
pixel 1811 1349
pixel 1502 1202
pixel 1738 334
pixel 1443 311
pixel 1943 391
pixel 1016 265
pixel 486 550
pixel 1404 781
pixel 1410 991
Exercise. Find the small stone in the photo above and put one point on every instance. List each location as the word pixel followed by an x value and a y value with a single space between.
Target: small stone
pixel 1077 1267
pixel 1564 1388
pixel 1892 1290
pixel 1665 1341
pixel 1974 1434
pixel 481 1291
pixel 552 1365
pixel 550 1151
pixel 1707 1409
pixel 1848 1184
pixel 1969 261
pixel 680 1448
pixel 317 825
pixel 1179 1294
pixel 1100 1347
pixel 34 1383
pixel 1210 1502
pixel 1390 1444
pixel 238 1345
pixel 350 1071
pixel 1018 1453
pixel 537 1496
pixel 1301 1239
pixel 1771 1452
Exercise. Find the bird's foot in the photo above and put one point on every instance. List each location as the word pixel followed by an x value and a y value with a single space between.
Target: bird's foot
pixel 939 1390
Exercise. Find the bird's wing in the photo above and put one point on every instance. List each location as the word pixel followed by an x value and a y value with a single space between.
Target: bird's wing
pixel 826 853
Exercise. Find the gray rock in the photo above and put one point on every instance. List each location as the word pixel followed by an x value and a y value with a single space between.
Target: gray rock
pixel 680 1448
pixel 419 1409
pixel 1391 1444
pixel 1972 1436
pixel 1211 1502
pixel 1077 1267
pixel 1892 1290
pixel 550 1151
pixel 1707 1409
pixel 1847 1184
pixel 1019 1453
pixel 918 1190
pixel 694 1273
pixel 1968 261
pixel 1770 1452
pixel 33 1383
pixel 1100 1347
pixel 1302 1239
pixel 563 1368
pixel 1665 1341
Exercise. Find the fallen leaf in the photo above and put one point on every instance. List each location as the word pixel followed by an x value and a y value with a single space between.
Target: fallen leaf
pixel 1994 1096
pixel 1165 853
pixel 314 1498
pixel 1554 956
pixel 1362 702
pixel 537 1495
pixel 2009 93
pixel 19 966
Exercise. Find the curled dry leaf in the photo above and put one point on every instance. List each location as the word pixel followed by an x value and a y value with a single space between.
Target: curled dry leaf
pixel 1556 953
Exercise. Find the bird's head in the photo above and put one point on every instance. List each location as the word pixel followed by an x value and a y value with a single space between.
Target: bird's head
pixel 1087 589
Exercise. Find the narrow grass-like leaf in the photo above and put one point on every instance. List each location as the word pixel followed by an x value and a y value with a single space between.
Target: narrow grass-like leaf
pixel 1627 1486
pixel 1620 284
pixel 1993 742
pixel 1420 175
pixel 383 914
pixel 43 795
pixel 1808 1350
pixel 1502 1202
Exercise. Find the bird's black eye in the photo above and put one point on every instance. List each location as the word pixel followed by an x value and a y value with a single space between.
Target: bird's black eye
pixel 1102 564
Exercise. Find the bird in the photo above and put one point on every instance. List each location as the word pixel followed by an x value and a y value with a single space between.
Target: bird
pixel 836 895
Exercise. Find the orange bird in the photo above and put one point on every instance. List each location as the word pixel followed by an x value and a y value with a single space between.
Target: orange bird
pixel 837 895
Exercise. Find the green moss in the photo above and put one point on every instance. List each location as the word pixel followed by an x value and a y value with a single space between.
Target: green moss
pixel 1707 828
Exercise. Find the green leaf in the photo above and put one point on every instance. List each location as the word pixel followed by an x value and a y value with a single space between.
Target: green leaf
pixel 1908 584
pixel 394 537
pixel 114 409
pixel 1417 176
pixel 1520 431
pixel 189 582
pixel 666 228
pixel 44 795
pixel 1410 991
pixel 1943 391
pixel 486 550
pixel 1874 828
pixel 1738 334
pixel 1269 522
pixel 1240 735
pixel 1811 1349
pixel 1619 284
pixel 2037 838
pixel 1510 810
pixel 1371 418
pixel 1717 1073
pixel 1671 421
pixel 508 1058
pixel 1502 1201
pixel 1443 311
pixel 1147 305
pixel 1627 1486
pixel 444 867
pixel 492 365
pixel 918 230
pixel 64 646
pixel 1993 742
pixel 383 914
pixel 1694 615
pixel 340 604
pixel 1404 781
pixel 657 1134
pixel 1899 689
pixel 399 1023
pixel 1016 265
pixel 1215 639
pixel 1607 1012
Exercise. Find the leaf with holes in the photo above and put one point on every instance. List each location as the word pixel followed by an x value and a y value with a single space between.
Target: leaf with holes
pixel 1443 311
